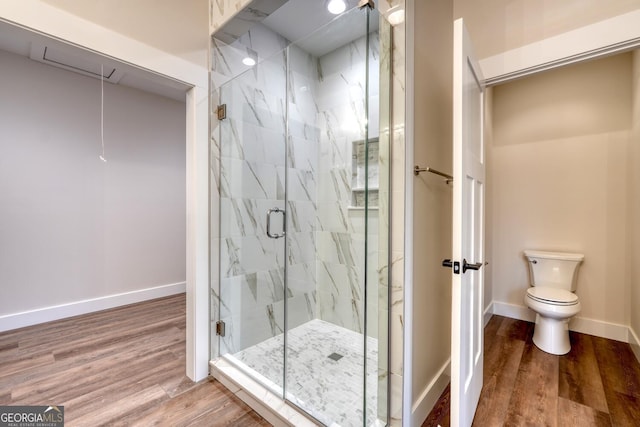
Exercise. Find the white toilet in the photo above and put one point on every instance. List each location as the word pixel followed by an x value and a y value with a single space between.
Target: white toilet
pixel 553 282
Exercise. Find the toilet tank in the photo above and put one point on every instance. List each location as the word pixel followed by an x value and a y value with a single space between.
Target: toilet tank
pixel 554 269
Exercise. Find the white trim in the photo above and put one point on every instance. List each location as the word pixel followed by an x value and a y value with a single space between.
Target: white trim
pixel 62 311
pixel 430 395
pixel 609 36
pixel 513 311
pixel 634 342
pixel 407 360
pixel 488 312
pixel 599 328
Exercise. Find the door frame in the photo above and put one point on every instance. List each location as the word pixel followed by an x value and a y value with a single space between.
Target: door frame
pixel 614 35
pixel 58 24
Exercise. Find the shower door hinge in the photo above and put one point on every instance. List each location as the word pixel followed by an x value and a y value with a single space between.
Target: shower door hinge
pixel 220 328
pixel 221 111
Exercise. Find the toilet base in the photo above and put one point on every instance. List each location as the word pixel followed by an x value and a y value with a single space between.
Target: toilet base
pixel 552 335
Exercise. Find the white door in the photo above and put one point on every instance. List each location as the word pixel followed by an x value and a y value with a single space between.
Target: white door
pixel 468 231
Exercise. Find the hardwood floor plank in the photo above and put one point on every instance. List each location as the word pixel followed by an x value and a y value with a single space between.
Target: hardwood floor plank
pixel 624 409
pixel 440 414
pixel 515 329
pixel 12 367
pixel 92 401
pixel 618 365
pixel 535 395
pixel 187 406
pixel 580 379
pixel 89 375
pixel 573 414
pixel 112 413
pixel 502 365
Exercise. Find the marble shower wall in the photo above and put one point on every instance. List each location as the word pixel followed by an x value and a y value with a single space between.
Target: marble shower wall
pixel 342 79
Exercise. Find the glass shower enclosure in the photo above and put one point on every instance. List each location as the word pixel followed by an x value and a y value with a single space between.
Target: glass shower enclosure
pixel 299 300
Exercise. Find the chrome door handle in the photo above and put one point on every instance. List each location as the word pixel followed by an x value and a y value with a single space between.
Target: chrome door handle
pixel 467 266
pixel 269 212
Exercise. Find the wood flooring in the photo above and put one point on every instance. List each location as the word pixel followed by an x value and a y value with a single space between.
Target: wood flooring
pixel 119 367
pixel 596 384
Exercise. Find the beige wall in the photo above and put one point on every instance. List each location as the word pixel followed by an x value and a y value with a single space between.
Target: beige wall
pixel 634 200
pixel 179 28
pixel 499 25
pixel 559 180
pixel 432 196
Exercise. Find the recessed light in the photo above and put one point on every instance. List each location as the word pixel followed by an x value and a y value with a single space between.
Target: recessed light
pixel 248 61
pixel 336 6
pixel 396 16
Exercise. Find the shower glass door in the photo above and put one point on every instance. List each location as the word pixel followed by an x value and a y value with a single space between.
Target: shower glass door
pixel 252 212
pixel 301 281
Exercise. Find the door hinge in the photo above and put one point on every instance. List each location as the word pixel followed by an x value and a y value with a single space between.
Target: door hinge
pixel 220 328
pixel 221 111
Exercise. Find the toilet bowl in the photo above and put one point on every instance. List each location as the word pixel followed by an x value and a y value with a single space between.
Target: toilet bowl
pixel 552 297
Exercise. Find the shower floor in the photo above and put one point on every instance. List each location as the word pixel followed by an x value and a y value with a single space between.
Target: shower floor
pixel 330 390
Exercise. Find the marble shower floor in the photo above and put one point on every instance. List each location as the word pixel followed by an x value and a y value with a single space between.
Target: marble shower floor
pixel 330 390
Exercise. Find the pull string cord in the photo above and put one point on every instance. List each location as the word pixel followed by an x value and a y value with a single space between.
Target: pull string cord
pixel 102 111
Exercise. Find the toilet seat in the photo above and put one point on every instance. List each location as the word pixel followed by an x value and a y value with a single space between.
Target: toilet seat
pixel 554 296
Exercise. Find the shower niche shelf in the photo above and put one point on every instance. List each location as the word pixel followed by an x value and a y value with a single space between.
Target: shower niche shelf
pixel 359 177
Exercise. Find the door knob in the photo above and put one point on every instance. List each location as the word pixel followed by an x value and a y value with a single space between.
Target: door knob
pixel 470 266
pixel 452 264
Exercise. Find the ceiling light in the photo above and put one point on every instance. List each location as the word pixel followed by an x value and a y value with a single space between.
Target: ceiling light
pixel 396 16
pixel 336 6
pixel 251 59
pixel 248 61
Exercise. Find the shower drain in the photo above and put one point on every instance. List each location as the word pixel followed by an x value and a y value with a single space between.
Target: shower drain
pixel 335 356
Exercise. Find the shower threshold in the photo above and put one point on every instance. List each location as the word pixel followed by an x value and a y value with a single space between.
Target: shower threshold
pixel 324 374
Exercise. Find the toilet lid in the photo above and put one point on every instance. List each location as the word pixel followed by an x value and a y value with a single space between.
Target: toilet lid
pixel 552 295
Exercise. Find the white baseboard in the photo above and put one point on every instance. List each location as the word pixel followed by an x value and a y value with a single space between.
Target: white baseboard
pixel 488 312
pixel 513 311
pixel 430 395
pixel 634 342
pixel 48 314
pixel 584 325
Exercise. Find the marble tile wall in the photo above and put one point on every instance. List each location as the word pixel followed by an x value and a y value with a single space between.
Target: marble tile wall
pixel 396 198
pixel 341 102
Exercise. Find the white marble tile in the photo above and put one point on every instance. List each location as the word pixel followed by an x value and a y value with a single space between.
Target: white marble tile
pixel 301 184
pixel 245 141
pixel 301 216
pixel 302 249
pixel 251 180
pixel 336 395
pixel 250 254
pixel 334 216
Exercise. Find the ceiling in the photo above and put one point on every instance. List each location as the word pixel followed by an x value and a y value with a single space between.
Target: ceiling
pixel 56 53
pixel 304 22
pixel 307 23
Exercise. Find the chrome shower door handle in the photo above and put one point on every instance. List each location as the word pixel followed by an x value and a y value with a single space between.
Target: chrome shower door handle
pixel 269 212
